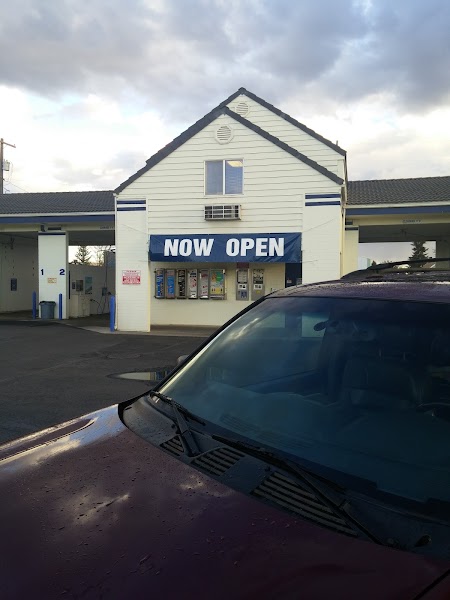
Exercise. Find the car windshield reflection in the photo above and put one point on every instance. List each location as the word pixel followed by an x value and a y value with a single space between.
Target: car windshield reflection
pixel 361 387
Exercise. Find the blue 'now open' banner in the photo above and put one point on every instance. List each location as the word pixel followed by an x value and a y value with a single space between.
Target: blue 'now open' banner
pixel 242 247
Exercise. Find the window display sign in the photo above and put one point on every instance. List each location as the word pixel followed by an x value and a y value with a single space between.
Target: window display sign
pixel 181 283
pixel 170 283
pixel 193 283
pixel 221 247
pixel 159 283
pixel 204 283
pixel 217 284
pixel 131 277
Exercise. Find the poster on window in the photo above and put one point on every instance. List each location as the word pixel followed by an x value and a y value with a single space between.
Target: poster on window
pixel 193 283
pixel 159 283
pixel 170 283
pixel 181 283
pixel 204 284
pixel 217 284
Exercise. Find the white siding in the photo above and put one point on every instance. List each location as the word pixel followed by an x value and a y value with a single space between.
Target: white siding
pixel 275 184
pixel 292 135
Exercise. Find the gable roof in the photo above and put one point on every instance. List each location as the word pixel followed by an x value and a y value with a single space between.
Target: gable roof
pixel 45 203
pixel 285 116
pixel 204 122
pixel 289 149
pixel 399 191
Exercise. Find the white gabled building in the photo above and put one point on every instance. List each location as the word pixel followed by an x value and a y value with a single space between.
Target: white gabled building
pixel 245 201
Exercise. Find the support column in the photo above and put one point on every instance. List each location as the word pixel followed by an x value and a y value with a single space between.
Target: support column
pixel 350 249
pixel 53 269
pixel 443 251
pixel 132 266
pixel 321 238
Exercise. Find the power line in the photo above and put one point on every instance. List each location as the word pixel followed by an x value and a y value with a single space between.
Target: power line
pixel 17 186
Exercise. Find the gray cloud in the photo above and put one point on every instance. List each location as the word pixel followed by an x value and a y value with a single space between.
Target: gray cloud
pixel 392 155
pixel 405 53
pixel 181 57
pixel 112 172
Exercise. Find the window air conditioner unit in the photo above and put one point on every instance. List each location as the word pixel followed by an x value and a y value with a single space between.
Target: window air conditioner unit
pixel 222 212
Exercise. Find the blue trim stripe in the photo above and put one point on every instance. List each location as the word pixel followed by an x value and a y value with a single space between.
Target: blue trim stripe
pixel 59 219
pixel 398 210
pixel 312 196
pixel 131 202
pixel 131 208
pixel 331 203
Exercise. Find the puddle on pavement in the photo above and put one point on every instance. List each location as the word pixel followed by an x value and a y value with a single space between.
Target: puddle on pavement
pixel 146 376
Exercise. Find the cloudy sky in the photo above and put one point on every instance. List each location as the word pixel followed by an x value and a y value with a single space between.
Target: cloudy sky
pixel 90 90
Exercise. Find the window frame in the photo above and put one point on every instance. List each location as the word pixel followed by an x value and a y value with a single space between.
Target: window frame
pixel 223 161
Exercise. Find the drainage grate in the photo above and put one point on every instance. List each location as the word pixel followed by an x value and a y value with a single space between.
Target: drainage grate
pixel 288 493
pixel 218 461
pixel 174 446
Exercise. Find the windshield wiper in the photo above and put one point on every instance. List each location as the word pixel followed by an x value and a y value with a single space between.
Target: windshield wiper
pixel 339 508
pixel 187 439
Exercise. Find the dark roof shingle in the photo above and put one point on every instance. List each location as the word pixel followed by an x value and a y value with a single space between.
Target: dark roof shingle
pixel 45 203
pixel 399 191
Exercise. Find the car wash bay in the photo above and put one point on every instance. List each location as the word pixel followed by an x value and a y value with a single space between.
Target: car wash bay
pixel 35 233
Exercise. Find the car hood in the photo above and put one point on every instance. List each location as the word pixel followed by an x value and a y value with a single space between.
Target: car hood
pixel 91 510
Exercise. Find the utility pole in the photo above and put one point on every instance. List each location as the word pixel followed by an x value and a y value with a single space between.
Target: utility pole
pixel 2 143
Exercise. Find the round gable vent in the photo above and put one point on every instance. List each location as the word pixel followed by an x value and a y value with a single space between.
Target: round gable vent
pixel 224 134
pixel 242 108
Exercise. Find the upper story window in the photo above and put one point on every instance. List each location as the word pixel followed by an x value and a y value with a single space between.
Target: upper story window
pixel 224 177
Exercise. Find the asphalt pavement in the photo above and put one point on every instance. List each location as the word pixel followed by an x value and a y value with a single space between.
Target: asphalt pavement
pixel 52 372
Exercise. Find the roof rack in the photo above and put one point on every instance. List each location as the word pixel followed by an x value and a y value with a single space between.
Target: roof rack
pixel 404 267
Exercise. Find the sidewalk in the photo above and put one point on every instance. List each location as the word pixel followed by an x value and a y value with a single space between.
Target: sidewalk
pixel 100 324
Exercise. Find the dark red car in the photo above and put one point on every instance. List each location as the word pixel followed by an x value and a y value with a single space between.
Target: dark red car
pixel 302 452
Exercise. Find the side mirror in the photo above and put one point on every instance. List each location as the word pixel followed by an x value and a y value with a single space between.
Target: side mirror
pixel 181 359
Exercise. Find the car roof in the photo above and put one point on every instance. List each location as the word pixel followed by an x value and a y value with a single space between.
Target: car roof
pixel 411 287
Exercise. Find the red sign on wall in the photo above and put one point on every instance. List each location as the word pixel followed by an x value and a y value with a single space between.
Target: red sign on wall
pixel 131 277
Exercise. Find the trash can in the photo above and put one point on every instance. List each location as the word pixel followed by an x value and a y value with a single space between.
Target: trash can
pixel 47 309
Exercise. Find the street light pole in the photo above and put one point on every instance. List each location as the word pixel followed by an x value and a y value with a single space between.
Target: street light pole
pixel 2 143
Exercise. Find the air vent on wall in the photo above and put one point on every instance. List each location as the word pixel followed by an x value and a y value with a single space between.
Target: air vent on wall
pixel 224 134
pixel 242 108
pixel 218 461
pixel 222 212
pixel 288 493
pixel 174 446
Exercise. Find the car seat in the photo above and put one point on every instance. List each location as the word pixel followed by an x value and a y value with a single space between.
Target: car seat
pixel 380 383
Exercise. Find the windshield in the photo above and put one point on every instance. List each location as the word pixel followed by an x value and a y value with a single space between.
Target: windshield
pixel 361 387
